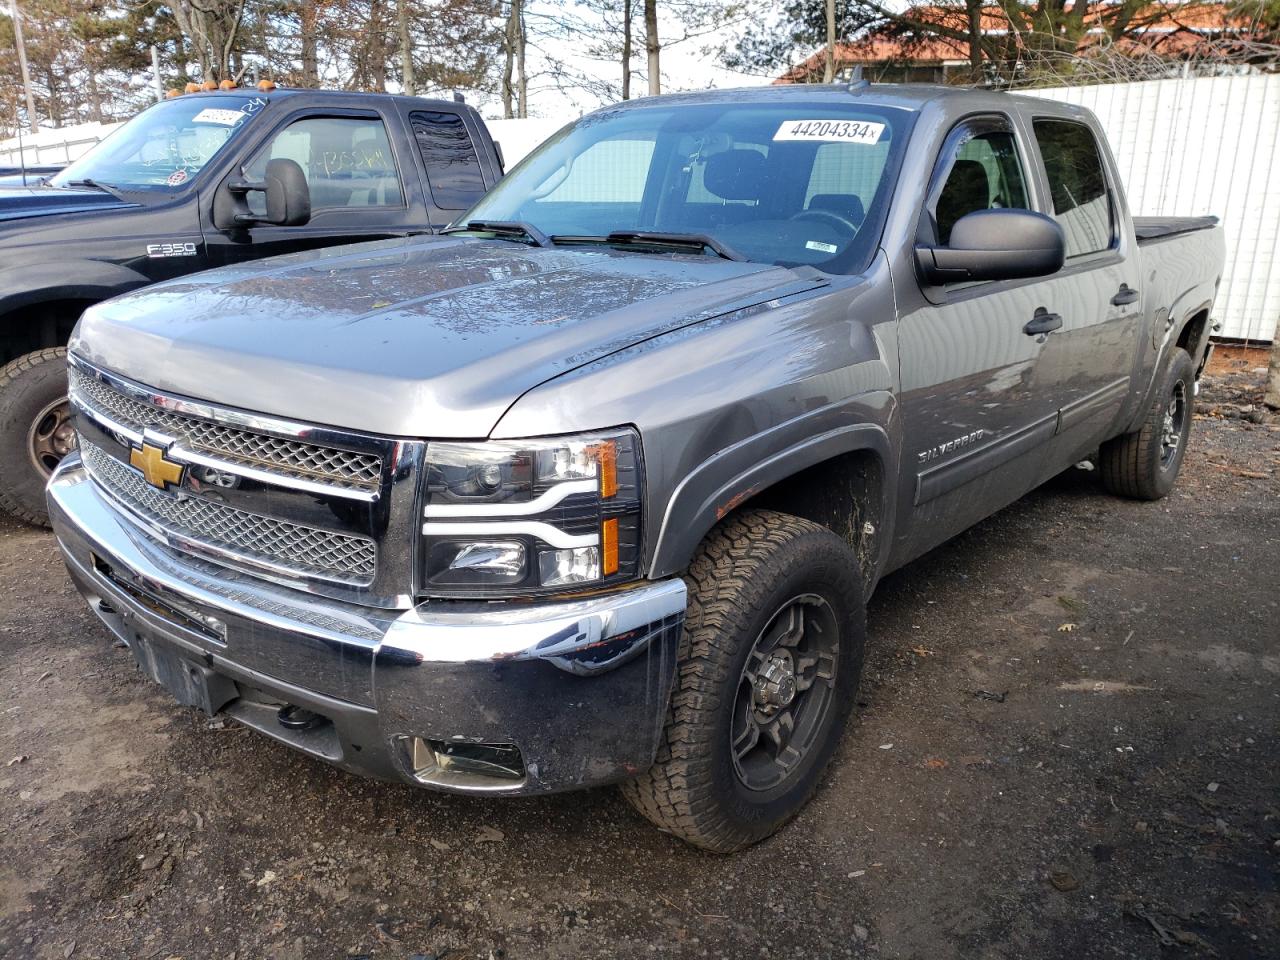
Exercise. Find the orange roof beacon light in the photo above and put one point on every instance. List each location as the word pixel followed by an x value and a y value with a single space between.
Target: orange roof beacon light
pixel 173 92
pixel 192 88
pixel 266 85
pixel 227 85
pixel 208 85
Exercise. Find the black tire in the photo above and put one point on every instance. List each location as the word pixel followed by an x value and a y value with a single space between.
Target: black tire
pixel 744 575
pixel 1143 465
pixel 33 429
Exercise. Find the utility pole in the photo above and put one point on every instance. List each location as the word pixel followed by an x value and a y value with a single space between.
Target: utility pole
pixel 1272 397
pixel 22 63
pixel 155 73
pixel 829 74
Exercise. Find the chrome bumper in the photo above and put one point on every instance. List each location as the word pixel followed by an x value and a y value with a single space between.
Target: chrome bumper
pixel 496 698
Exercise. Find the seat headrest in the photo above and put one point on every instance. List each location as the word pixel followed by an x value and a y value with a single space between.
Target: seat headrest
pixel 735 174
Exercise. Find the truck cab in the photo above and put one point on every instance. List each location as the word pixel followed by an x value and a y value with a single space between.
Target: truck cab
pixel 158 199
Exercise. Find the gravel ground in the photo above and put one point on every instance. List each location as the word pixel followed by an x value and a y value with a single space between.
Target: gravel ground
pixel 1066 747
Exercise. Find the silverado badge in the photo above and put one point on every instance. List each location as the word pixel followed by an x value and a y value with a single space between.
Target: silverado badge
pixel 157 469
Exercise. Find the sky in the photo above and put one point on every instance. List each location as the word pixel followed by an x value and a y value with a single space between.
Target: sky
pixel 690 65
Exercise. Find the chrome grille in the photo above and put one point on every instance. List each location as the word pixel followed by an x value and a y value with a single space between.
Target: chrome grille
pixel 293 458
pixel 289 547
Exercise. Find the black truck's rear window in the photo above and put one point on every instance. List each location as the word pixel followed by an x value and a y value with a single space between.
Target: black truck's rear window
pixel 453 167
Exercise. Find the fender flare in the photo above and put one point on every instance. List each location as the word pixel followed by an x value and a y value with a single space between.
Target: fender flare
pixel 48 282
pixel 737 473
pixel 1171 335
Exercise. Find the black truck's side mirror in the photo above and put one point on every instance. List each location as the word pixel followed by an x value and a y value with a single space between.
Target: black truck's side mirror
pixel 995 245
pixel 287 194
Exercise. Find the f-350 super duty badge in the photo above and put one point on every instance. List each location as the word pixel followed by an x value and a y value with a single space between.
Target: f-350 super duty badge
pixel 160 250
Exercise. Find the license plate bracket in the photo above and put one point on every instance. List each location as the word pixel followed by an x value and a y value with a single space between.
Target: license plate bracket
pixel 191 684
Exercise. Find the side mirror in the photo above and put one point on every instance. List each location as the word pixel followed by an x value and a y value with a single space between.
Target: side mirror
pixel 995 245
pixel 287 194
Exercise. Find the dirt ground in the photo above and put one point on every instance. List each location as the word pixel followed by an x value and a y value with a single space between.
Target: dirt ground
pixel 1068 746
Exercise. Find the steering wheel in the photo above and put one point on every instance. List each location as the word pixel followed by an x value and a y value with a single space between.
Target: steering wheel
pixel 842 222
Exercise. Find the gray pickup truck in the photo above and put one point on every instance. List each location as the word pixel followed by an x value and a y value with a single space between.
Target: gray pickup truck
pixel 594 488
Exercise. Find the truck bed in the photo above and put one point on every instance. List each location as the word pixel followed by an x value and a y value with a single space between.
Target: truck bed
pixel 1157 228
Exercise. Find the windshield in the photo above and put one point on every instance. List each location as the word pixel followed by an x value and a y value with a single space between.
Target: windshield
pixel 164 147
pixel 786 183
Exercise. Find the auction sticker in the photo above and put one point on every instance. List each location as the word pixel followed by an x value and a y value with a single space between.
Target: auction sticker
pixel 176 178
pixel 226 118
pixel 830 131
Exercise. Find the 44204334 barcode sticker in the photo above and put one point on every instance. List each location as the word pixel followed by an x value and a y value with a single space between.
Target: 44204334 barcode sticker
pixel 836 131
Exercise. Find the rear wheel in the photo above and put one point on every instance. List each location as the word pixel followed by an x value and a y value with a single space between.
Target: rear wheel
pixel 1144 464
pixel 768 671
pixel 35 430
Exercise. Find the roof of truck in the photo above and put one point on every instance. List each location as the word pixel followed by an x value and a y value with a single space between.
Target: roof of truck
pixel 908 96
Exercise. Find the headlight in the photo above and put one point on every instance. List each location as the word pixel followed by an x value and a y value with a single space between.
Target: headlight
pixel 505 517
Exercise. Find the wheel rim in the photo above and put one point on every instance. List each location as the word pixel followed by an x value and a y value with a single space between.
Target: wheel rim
pixel 1175 421
pixel 785 692
pixel 51 437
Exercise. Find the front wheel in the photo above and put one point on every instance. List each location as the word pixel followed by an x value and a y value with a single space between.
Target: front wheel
pixel 767 675
pixel 1144 464
pixel 35 430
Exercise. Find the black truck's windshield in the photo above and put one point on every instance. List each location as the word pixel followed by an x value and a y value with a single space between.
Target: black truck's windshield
pixel 162 148
pixel 788 183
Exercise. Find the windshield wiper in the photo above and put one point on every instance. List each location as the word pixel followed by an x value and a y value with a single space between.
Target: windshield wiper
pixel 95 185
pixel 644 238
pixel 505 230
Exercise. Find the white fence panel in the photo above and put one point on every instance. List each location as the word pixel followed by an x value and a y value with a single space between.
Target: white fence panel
pixel 1206 145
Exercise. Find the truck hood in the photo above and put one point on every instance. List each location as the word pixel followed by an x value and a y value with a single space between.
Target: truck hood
pixel 20 203
pixel 428 337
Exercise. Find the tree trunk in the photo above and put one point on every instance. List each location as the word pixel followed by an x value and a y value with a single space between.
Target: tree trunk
pixel 973 9
pixel 653 46
pixel 1272 397
pixel 95 98
pixel 626 49
pixel 509 59
pixel 829 72
pixel 406 48
pixel 310 55
pixel 522 77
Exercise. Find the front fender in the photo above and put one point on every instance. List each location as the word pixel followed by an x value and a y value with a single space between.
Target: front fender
pixel 739 472
pixel 64 280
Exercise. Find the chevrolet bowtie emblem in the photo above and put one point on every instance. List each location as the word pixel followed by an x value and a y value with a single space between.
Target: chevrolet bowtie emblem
pixel 157 469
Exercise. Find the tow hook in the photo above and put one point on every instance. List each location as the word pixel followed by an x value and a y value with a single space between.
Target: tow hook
pixel 297 718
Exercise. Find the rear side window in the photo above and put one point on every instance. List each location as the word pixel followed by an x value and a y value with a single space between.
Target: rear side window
pixel 453 167
pixel 1078 185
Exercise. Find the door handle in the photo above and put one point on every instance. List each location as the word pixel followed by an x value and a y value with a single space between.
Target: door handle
pixel 1125 295
pixel 1042 322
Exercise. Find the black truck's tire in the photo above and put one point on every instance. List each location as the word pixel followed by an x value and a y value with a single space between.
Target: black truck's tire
pixel 756 570
pixel 1144 464
pixel 34 430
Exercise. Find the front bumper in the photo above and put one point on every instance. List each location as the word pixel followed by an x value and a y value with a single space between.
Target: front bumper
pixel 576 692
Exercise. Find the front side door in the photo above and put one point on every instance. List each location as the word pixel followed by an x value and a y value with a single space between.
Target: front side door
pixel 977 410
pixel 356 180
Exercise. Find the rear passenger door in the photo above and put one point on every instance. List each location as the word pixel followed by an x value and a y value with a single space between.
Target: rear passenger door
pixel 1094 352
pixel 357 182
pixel 978 405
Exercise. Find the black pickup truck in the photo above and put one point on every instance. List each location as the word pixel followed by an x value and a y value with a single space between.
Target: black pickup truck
pixel 198 181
